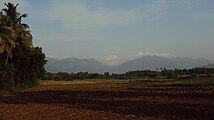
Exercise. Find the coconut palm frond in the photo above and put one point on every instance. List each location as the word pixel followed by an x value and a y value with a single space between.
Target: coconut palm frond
pixel 25 26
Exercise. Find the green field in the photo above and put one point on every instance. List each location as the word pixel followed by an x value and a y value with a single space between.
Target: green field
pixel 144 82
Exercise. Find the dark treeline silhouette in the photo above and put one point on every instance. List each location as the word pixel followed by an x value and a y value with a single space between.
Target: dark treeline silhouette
pixel 144 74
pixel 20 62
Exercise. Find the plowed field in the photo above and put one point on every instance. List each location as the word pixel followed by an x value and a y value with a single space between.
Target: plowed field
pixel 100 101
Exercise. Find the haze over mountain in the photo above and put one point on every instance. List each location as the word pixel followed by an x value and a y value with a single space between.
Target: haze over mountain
pixel 209 65
pixel 142 63
pixel 75 65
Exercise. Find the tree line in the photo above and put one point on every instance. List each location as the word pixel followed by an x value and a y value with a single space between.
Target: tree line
pixel 20 62
pixel 143 74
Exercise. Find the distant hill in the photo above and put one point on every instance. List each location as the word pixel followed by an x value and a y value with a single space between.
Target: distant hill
pixel 146 62
pixel 209 66
pixel 75 65
pixel 156 62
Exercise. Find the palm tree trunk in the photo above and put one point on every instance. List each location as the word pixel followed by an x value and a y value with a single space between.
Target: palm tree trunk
pixel 7 60
pixel 8 55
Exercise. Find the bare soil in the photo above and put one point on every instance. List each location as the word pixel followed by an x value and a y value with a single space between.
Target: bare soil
pixel 99 101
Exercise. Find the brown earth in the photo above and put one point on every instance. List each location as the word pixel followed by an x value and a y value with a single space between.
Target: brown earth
pixel 100 101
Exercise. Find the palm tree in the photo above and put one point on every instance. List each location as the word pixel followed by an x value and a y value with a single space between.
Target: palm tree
pixel 22 29
pixel 2 45
pixel 12 13
pixel 7 41
pixel 7 38
pixel 13 31
pixel 2 42
pixel 23 34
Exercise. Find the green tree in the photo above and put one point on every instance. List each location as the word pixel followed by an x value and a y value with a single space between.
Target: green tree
pixel 18 58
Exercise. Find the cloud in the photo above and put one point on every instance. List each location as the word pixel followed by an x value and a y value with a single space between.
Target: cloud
pixel 112 57
pixel 112 60
pixel 141 54
pixel 50 56
pixel 79 16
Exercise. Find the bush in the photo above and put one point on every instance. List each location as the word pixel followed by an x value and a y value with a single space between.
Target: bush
pixel 7 75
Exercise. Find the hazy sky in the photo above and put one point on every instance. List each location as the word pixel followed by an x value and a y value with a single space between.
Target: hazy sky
pixel 118 30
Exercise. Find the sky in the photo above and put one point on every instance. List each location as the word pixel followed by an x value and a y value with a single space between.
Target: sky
pixel 114 31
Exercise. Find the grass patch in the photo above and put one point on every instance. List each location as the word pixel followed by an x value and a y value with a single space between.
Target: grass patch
pixel 197 80
pixel 4 93
pixel 53 82
pixel 146 82
pixel 191 81
pixel 7 92
pixel 88 81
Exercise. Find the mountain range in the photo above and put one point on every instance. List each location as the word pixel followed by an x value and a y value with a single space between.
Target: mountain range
pixel 209 66
pixel 143 63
